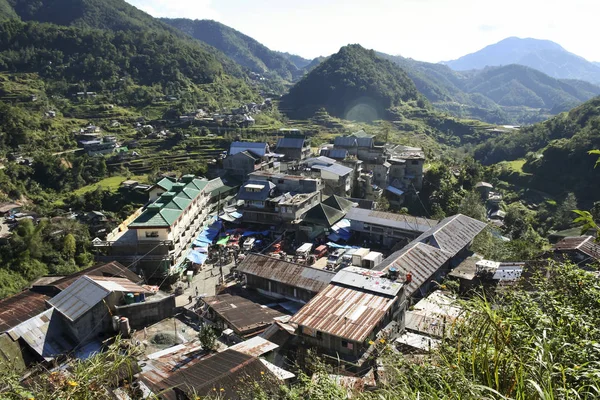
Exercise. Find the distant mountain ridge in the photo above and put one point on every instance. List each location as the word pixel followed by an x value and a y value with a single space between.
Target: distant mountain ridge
pixel 495 94
pixel 543 55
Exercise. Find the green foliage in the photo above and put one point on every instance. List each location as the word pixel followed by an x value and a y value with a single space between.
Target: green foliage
pixel 353 84
pixel 207 337
pixel 472 206
pixel 241 48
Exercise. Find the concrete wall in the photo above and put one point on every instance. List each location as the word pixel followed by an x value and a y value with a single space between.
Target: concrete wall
pixel 147 313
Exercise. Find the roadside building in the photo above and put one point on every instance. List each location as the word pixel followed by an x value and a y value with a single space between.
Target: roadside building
pixel 582 250
pixel 281 279
pixel 351 311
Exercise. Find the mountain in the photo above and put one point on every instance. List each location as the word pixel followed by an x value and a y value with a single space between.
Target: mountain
pixel 241 48
pixel 507 94
pixel 6 10
pixel 353 84
pixel 299 62
pixel 556 152
pixel 543 55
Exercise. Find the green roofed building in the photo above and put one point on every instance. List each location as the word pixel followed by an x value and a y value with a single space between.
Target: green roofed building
pixel 157 238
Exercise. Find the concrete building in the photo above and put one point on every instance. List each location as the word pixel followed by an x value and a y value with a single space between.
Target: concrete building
pixel 293 146
pixel 241 164
pixel 351 311
pixel 281 279
pixel 289 183
pixel 385 228
pixel 156 239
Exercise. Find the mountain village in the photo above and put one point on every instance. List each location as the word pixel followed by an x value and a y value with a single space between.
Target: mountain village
pixel 281 253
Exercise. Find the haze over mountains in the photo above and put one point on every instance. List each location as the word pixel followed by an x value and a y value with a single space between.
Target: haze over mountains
pixel 543 55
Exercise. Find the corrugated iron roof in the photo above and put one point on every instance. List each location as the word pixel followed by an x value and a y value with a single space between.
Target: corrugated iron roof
pixel 344 312
pixel 345 141
pixel 295 275
pixel 119 285
pixel 79 298
pixel 231 371
pixel 290 143
pixel 398 221
pixel 242 315
pixel 20 307
pixel 368 280
pixel 44 334
pixel 258 148
pixel 112 269
pixel 452 234
pixel 255 347
pixel 584 244
pixel 433 315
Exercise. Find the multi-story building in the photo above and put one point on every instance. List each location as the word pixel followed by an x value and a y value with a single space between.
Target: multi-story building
pixel 247 157
pixel 156 239
pixel 337 178
pixel 263 205
pixel 289 183
pixel 293 146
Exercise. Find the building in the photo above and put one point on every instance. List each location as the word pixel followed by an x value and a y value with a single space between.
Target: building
pixel 582 250
pixel 322 217
pixel 104 145
pixel 386 228
pixel 243 163
pixel 260 149
pixel 294 146
pixel 428 258
pixel 281 279
pixel 289 183
pixel 156 239
pixel 337 178
pixel 263 206
pixel 353 309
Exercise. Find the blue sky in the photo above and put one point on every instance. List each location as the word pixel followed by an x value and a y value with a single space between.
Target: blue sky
pixel 428 30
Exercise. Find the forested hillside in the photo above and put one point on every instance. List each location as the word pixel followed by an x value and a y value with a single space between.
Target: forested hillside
pixel 355 84
pixel 509 94
pixel 241 48
pixel 556 151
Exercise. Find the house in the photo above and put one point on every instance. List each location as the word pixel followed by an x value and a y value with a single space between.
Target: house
pixel 8 209
pixel 228 374
pixel 484 189
pixel 338 179
pixel 293 147
pixel 260 149
pixel 582 250
pixel 245 158
pixel 281 279
pixel 289 183
pixel 386 228
pixel 322 217
pixel 351 311
pixel 433 254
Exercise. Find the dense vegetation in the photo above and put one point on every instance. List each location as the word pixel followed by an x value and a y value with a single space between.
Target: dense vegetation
pixel 543 55
pixel 508 94
pixel 556 152
pixel 354 84
pixel 241 48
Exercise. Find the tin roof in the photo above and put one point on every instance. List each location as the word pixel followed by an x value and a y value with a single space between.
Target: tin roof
pixel 336 169
pixel 339 203
pixel 367 280
pixel 296 275
pixel 258 148
pixel 290 143
pixel 452 234
pixel 322 214
pixel 391 220
pixel 255 347
pixel 112 269
pixel 118 285
pixel 20 307
pixel 231 371
pixel 433 315
pixel 44 335
pixel 584 244
pixel 80 297
pixel 242 315
pixel 344 312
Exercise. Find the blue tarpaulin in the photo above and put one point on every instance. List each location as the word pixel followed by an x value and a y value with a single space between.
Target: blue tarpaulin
pixel 196 257
pixel 339 246
pixel 251 233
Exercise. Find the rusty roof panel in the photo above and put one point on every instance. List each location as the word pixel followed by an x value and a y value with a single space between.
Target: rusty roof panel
pixel 346 313
pixel 255 347
pixel 20 307
pixel 242 315
pixel 80 297
pixel 296 275
pixel 584 244
pixel 112 269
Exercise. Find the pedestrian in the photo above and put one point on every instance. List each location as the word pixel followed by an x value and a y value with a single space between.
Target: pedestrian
pixel 190 299
pixel 196 291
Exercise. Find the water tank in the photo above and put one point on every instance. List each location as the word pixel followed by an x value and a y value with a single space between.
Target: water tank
pixel 129 299
pixel 115 323
pixel 136 298
pixel 124 327
pixel 142 297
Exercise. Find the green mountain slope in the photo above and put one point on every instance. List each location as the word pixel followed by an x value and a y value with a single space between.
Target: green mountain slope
pixel 556 151
pixel 496 94
pixel 353 84
pixel 241 48
pixel 6 10
pixel 299 62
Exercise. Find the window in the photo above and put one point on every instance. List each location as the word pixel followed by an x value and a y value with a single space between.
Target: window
pixel 414 162
pixel 319 335
pixel 344 343
pixel 281 181
pixel 152 234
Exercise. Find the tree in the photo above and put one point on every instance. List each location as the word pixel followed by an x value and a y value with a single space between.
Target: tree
pixel 563 217
pixel 69 246
pixel 207 337
pixel 472 206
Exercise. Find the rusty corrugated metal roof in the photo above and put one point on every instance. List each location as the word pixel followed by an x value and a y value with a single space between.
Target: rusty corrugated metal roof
pixel 255 347
pixel 584 244
pixel 347 313
pixel 20 307
pixel 291 274
pixel 112 269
